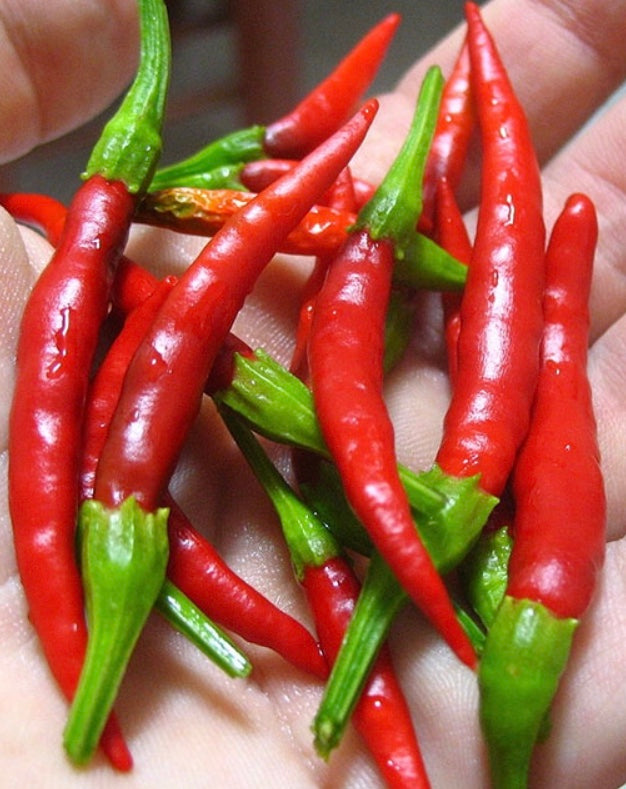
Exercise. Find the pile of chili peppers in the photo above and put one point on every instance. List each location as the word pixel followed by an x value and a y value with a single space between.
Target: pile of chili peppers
pixel 113 365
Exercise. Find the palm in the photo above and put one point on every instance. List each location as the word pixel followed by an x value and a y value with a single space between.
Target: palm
pixel 194 724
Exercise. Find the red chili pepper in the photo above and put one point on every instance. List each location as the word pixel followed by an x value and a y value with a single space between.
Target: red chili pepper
pixel 331 102
pixel 345 360
pixel 46 213
pixel 452 136
pixel 58 336
pixel 558 538
pixel 451 233
pixel 381 715
pixel 179 350
pixel 501 317
pixel 124 517
pixel 204 211
pixel 255 176
pixel 346 347
pixel 199 571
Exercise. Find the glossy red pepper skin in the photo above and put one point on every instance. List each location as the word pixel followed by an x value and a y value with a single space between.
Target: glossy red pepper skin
pixel 331 103
pixel 345 362
pixel 46 213
pixel 451 140
pixel 58 337
pixel 381 715
pixel 450 231
pixel 194 565
pixel 501 315
pixel 559 536
pixel 106 385
pixel 341 196
pixel 199 571
pixel 165 381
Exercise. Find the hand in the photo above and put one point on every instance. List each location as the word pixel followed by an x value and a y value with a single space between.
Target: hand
pixel 184 720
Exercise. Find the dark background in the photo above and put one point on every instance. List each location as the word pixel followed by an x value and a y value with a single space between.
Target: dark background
pixel 239 62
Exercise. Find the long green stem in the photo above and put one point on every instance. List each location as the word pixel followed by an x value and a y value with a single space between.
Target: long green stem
pixel 310 543
pixel 447 535
pixel 380 600
pixel 232 150
pixel 210 639
pixel 130 145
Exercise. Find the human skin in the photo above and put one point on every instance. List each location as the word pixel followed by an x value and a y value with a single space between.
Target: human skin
pixel 186 723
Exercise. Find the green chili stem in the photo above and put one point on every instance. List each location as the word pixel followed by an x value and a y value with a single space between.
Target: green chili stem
pixel 380 599
pixel 210 639
pixel 130 144
pixel 124 555
pixel 475 632
pixel 234 149
pixel 447 534
pixel 278 405
pixel 424 264
pixel 310 543
pixel 395 208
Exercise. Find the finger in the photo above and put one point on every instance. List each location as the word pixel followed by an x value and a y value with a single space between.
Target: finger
pixel 593 163
pixel 564 60
pixel 66 61
pixel 607 373
pixel 17 278
pixel 585 747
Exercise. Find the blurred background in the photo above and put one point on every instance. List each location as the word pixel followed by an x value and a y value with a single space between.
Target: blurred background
pixel 238 62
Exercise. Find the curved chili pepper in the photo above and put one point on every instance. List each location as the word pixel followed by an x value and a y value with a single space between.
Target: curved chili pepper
pixel 448 150
pixel 46 213
pixel 58 336
pixel 330 103
pixel 381 716
pixel 501 317
pixel 319 115
pixel 204 211
pixel 558 539
pixel 199 571
pixel 345 359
